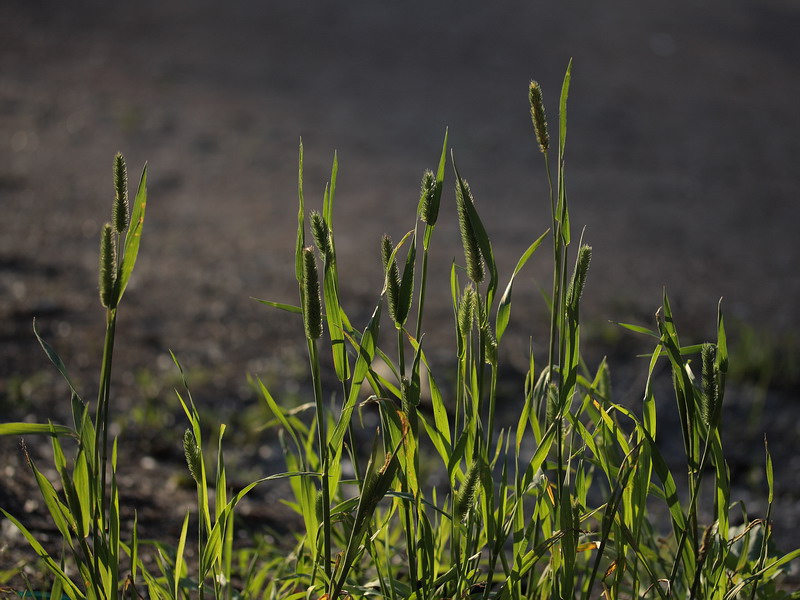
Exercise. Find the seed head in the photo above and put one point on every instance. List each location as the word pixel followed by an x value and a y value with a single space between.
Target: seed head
pixel 108 267
pixel 710 395
pixel 319 229
pixel 466 310
pixel 192 453
pixel 392 274
pixel 430 194
pixel 579 276
pixel 538 116
pixel 312 305
pixel 472 252
pixel 490 345
pixel 119 213
pixel 466 495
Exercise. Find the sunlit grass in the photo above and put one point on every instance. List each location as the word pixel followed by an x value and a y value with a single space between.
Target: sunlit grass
pixel 564 503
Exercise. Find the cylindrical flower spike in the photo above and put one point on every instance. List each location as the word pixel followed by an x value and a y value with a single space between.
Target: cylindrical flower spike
pixel 466 495
pixel 466 310
pixel 312 305
pixel 192 453
pixel 108 267
pixel 579 276
pixel 472 252
pixel 429 198
pixel 392 274
pixel 538 116
pixel 319 229
pixel 119 215
pixel 710 396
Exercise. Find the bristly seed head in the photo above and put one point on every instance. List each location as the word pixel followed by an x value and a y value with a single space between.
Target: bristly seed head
pixel 192 453
pixel 429 198
pixel 312 305
pixel 119 214
pixel 710 395
pixel 466 495
pixel 108 267
pixel 538 116
pixel 472 251
pixel 579 276
pixel 319 229
pixel 466 310
pixel 392 274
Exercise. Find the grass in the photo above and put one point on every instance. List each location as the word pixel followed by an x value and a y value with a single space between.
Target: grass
pixel 563 503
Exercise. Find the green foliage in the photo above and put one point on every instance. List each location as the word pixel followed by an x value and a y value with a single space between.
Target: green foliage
pixel 563 504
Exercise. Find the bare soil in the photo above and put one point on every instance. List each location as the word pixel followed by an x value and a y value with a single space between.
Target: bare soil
pixel 684 140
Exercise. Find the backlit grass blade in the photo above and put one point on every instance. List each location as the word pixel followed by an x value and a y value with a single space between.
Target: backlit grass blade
pixel 55 359
pixel 69 587
pixel 504 308
pixel 133 236
pixel 366 352
pixel 36 429
pixel 291 308
pixel 331 284
pixel 179 559
pixel 301 227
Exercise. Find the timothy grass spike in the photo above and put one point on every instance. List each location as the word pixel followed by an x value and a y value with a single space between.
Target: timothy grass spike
pixel 108 267
pixel 120 213
pixel 466 309
pixel 710 393
pixel 428 203
pixel 579 276
pixel 472 251
pixel 538 115
pixel 312 305
pixel 319 229
pixel 392 273
pixel 466 495
pixel 192 453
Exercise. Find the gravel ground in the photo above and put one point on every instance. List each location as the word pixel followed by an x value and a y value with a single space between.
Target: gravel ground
pixel 683 150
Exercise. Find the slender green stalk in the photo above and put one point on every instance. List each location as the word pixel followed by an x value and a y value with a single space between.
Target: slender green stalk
pixel 322 436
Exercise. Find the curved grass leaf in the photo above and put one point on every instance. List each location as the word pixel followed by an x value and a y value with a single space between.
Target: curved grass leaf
pixel 504 308
pixel 133 236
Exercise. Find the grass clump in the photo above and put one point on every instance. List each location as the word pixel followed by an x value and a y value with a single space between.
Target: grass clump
pixel 560 504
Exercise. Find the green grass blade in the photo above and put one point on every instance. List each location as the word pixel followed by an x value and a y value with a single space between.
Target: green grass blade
pixel 562 111
pixel 287 307
pixel 301 231
pixel 504 308
pixel 69 587
pixel 133 236
pixel 55 359
pixel 37 429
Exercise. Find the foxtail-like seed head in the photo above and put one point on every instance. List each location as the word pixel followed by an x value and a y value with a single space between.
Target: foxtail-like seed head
pixel 579 276
pixel 192 453
pixel 392 274
pixel 319 229
pixel 108 266
pixel 312 305
pixel 538 115
pixel 429 198
pixel 710 395
pixel 466 310
pixel 466 495
pixel 120 216
pixel 490 345
pixel 472 251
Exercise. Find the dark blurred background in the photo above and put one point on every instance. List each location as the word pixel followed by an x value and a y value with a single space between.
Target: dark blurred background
pixel 683 149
